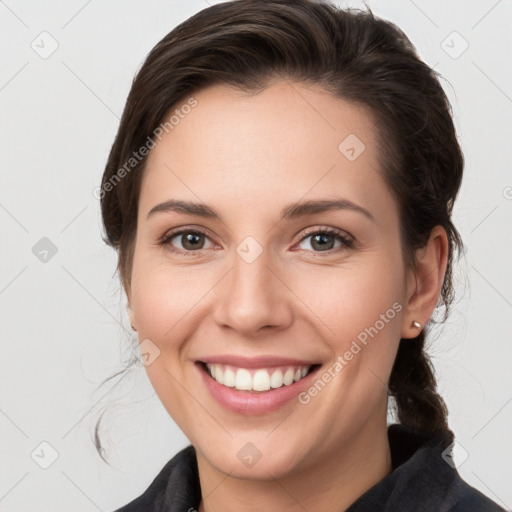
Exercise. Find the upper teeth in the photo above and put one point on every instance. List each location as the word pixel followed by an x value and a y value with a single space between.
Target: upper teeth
pixel 256 379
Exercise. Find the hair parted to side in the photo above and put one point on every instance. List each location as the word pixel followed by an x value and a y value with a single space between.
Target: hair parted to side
pixel 356 57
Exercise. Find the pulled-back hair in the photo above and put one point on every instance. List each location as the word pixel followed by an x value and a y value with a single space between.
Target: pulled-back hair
pixel 356 57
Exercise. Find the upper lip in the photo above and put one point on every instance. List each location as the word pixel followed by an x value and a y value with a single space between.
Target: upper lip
pixel 255 362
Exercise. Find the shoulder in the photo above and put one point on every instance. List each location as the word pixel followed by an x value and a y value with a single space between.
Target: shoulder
pixel 176 485
pixel 469 499
pixel 424 472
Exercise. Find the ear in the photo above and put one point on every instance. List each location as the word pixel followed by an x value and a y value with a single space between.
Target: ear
pixel 424 282
pixel 127 290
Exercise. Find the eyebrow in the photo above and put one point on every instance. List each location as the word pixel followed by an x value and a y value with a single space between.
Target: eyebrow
pixel 291 211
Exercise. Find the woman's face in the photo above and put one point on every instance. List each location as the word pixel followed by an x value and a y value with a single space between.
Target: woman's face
pixel 255 275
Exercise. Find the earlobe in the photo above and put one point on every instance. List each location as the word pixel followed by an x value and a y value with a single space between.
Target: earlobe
pixel 431 262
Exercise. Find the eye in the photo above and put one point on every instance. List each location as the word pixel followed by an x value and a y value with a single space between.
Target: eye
pixel 189 241
pixel 324 240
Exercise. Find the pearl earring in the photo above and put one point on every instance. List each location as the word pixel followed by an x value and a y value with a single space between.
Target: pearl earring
pixel 415 324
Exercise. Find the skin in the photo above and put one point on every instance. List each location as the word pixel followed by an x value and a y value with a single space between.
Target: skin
pixel 247 156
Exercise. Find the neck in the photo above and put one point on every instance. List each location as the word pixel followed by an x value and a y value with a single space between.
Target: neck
pixel 332 485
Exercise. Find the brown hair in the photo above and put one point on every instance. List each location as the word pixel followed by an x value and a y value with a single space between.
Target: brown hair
pixel 356 57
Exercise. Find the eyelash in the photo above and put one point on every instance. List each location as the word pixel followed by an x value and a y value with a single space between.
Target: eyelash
pixel 347 242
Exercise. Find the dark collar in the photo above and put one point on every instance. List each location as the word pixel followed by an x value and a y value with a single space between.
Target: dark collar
pixel 422 479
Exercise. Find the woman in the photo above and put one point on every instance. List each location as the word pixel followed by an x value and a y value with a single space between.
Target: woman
pixel 280 193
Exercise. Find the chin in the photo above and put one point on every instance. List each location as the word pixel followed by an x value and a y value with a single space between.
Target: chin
pixel 244 460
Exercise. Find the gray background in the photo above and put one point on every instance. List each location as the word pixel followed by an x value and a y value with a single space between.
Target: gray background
pixel 64 327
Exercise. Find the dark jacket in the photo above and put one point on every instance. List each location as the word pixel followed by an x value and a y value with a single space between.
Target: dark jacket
pixel 423 479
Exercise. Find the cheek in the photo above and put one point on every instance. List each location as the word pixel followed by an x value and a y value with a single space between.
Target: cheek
pixel 163 295
pixel 359 311
pixel 166 302
pixel 351 298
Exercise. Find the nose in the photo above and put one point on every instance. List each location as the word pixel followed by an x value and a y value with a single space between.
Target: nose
pixel 252 298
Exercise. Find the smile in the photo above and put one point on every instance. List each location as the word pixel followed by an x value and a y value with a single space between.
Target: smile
pixel 255 391
pixel 256 379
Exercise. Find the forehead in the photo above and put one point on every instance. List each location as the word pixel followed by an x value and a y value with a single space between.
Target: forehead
pixel 254 148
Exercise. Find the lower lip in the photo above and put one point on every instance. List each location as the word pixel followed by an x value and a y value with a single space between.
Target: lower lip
pixel 244 402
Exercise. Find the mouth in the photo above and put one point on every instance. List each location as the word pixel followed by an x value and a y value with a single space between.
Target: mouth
pixel 257 380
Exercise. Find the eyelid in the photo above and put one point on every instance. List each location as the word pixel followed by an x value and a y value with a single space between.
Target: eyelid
pixel 348 240
pixel 165 240
pixel 325 229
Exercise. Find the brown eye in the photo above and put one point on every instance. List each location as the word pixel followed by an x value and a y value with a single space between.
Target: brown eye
pixel 324 240
pixel 186 241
